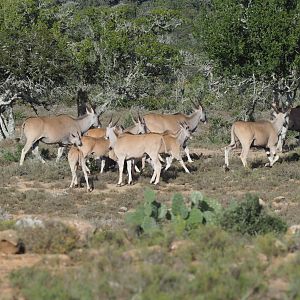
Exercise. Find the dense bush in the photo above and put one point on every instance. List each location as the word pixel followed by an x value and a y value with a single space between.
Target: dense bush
pixel 249 217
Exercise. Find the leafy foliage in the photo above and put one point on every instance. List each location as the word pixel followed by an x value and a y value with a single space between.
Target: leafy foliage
pixel 249 217
pixel 252 37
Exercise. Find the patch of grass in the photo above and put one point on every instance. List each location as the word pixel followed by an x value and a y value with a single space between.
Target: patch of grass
pixel 7 224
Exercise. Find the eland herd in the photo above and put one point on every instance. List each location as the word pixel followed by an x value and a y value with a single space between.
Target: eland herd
pixel 151 137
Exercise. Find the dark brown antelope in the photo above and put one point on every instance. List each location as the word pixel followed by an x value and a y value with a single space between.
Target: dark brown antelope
pixel 159 123
pixel 263 134
pixel 54 130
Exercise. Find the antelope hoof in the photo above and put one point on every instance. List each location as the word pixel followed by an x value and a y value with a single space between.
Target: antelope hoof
pixel 268 165
pixel 226 168
pixel 119 184
pixel 89 190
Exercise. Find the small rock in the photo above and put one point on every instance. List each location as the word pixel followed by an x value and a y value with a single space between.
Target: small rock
pixel 123 209
pixel 10 243
pixel 294 229
pixel 279 199
pixel 262 202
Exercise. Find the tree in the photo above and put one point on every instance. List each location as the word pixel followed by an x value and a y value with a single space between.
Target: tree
pixel 32 60
pixel 256 41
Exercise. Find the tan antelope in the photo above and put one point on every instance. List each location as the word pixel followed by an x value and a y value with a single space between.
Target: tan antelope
pixel 173 146
pixel 76 159
pixel 138 128
pixel 127 147
pixel 54 130
pixel 159 123
pixel 263 134
pixel 98 147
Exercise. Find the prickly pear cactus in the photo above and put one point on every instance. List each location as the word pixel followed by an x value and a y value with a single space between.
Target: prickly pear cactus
pixel 162 212
pixel 196 198
pixel 195 217
pixel 149 195
pixel 177 204
pixel 149 224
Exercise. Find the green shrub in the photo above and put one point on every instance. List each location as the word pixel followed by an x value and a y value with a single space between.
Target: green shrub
pixel 249 217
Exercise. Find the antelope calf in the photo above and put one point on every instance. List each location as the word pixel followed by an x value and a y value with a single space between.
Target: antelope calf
pixel 76 159
pixel 54 130
pixel 259 134
pixel 98 147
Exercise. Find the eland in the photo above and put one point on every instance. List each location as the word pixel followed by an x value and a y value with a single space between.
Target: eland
pixel 160 123
pixel 173 146
pixel 55 130
pixel 293 124
pixel 264 133
pixel 127 147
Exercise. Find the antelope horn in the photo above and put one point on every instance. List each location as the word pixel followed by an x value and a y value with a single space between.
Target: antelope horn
pixel 195 105
pixel 110 121
pixel 132 118
pixel 116 122
pixel 273 105
pixel 139 117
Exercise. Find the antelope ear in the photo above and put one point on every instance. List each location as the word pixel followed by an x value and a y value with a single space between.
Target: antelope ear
pixel 89 110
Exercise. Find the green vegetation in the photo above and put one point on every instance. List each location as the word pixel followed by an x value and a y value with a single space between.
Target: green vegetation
pixel 249 217
pixel 151 214
pixel 246 217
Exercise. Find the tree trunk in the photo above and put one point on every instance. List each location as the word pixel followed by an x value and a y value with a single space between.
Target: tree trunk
pixel 7 122
pixel 82 100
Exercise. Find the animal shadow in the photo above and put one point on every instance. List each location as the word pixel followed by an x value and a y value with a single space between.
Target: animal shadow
pixel 291 157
